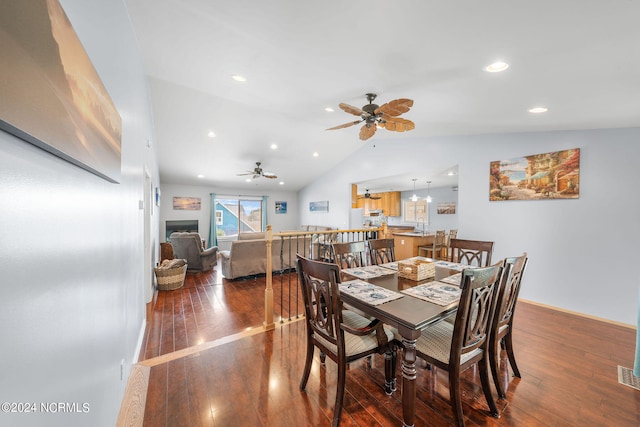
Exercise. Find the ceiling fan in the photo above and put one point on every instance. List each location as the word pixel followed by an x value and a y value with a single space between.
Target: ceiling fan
pixel 368 195
pixel 374 116
pixel 257 172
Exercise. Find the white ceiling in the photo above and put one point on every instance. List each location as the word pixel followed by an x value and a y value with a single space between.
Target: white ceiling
pixel 580 58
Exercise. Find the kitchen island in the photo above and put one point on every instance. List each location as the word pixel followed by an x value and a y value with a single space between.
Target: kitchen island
pixel 406 243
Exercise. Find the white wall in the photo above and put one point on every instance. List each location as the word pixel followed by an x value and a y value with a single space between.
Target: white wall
pixel 73 297
pixel 580 250
pixel 279 222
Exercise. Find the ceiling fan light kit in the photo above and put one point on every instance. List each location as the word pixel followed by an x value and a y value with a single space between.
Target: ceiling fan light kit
pixel 374 116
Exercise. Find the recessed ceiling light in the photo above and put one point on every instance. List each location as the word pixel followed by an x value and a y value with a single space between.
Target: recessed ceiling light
pixel 496 67
pixel 316 154
pixel 281 182
pixel 211 134
pixel 274 146
pixel 329 110
pixel 538 110
pixel 247 180
pixel 239 78
pixel 200 176
pixel 451 173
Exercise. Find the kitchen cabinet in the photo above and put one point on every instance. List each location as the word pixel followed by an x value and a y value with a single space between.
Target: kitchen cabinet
pixel 388 203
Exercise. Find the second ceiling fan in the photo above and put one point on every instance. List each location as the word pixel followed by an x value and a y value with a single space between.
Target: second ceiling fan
pixel 374 116
pixel 368 195
pixel 257 172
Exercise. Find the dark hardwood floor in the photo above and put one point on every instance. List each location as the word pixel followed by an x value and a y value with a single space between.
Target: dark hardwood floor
pixel 210 364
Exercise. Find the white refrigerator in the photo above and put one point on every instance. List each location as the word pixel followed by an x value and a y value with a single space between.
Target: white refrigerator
pixel 356 218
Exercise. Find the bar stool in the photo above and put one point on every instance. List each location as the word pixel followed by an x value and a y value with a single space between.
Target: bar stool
pixel 437 247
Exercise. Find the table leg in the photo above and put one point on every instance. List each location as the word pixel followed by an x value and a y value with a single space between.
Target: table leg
pixel 408 382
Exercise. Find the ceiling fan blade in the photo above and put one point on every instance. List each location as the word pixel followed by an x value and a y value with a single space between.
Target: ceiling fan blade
pixel 375 197
pixel 350 109
pixel 269 175
pixel 398 124
pixel 396 107
pixel 244 174
pixel 367 131
pixel 346 125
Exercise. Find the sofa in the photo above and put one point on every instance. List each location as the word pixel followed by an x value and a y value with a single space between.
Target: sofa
pixel 189 246
pixel 248 256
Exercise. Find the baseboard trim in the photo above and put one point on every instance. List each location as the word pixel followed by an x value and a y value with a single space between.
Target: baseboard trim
pixel 136 353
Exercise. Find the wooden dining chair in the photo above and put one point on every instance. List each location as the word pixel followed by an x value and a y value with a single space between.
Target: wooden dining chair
pixel 381 251
pixel 341 334
pixel 435 250
pixel 471 252
pixel 458 346
pixel 350 254
pixel 502 327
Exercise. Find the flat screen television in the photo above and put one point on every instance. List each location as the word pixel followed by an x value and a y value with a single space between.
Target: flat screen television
pixel 185 225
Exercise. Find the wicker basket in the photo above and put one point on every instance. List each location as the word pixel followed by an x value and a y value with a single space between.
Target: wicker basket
pixel 170 278
pixel 416 269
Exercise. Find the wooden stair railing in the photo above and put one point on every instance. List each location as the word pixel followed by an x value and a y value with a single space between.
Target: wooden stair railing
pixel 306 236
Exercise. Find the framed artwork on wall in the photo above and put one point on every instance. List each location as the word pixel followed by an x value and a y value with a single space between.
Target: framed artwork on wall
pixel 545 176
pixel 51 95
pixel 187 203
pixel 446 208
pixel 322 206
pixel 281 207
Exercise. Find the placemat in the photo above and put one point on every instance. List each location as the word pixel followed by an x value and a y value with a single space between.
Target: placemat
pixel 453 279
pixel 390 265
pixel 435 292
pixel 452 265
pixel 367 272
pixel 368 292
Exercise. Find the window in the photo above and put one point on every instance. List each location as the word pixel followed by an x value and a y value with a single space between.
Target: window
pixel 237 215
pixel 416 211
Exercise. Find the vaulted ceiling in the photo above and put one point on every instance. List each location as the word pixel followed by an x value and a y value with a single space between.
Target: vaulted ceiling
pixel 580 59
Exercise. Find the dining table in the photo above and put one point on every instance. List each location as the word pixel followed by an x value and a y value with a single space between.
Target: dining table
pixel 391 298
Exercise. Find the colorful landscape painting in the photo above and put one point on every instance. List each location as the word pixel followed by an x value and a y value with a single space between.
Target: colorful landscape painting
pixel 553 175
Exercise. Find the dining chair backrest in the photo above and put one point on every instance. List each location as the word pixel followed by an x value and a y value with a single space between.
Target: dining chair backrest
pixel 502 324
pixel 471 252
pixel 381 251
pixel 509 289
pixel 323 307
pixel 465 344
pixel 475 310
pixel 350 254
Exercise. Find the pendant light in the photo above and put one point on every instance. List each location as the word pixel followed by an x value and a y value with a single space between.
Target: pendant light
pixel 414 198
pixel 429 199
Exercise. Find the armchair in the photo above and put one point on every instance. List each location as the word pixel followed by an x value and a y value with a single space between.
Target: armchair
pixel 189 246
